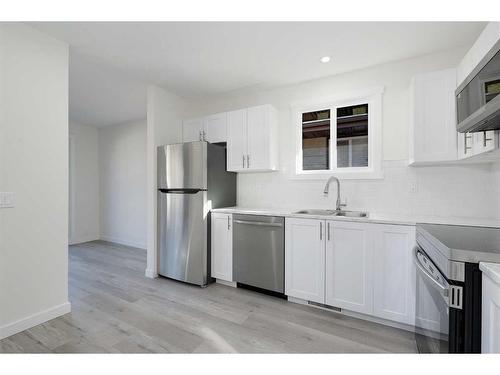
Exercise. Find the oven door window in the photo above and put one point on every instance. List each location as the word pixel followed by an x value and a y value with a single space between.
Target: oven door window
pixel 431 310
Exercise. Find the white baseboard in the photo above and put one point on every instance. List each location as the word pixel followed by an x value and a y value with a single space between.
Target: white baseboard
pixel 83 239
pixel 122 241
pixel 34 320
pixel 151 273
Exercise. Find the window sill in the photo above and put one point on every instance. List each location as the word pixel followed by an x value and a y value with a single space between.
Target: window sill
pixel 361 174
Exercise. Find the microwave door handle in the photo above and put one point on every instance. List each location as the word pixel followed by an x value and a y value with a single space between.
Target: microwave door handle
pixel 443 289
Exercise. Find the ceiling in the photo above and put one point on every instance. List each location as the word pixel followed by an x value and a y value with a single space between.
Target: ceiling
pixel 112 61
pixel 100 95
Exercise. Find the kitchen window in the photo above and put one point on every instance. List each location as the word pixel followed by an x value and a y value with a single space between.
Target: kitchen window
pixel 341 138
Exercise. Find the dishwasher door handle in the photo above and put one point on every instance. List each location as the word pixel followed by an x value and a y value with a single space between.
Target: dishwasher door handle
pixel 258 223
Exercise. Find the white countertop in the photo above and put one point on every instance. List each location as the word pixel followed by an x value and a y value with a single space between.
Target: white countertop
pixel 372 217
pixel 492 270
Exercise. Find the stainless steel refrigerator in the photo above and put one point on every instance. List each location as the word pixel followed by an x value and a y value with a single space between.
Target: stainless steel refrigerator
pixel 192 179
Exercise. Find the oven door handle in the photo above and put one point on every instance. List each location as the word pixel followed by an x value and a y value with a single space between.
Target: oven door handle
pixel 443 287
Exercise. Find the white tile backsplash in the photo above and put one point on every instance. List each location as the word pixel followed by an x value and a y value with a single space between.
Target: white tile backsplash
pixel 457 191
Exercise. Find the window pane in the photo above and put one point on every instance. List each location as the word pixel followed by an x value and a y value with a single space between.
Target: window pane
pixel 360 152
pixel 352 136
pixel 342 154
pixel 316 140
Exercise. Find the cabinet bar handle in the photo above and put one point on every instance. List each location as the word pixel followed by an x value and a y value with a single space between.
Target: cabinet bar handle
pixel 243 156
pixel 320 231
pixel 248 161
pixel 328 231
pixel 485 139
pixel 228 223
pixel 465 143
pixel 200 136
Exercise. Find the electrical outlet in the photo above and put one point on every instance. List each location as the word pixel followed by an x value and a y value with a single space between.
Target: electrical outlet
pixel 6 199
pixel 413 186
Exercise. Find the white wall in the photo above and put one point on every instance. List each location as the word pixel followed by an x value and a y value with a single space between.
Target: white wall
pixel 122 164
pixel 34 165
pixel 165 112
pixel 442 191
pixel 84 184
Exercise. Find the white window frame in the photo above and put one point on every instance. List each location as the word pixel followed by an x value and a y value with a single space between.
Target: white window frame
pixel 373 98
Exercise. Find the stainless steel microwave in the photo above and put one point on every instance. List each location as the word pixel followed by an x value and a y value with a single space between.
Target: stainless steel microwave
pixel 478 99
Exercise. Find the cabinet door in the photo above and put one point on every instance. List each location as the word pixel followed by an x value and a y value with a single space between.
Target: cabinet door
pixel 484 141
pixel 433 130
pixel 305 259
pixel 349 266
pixel 222 247
pixel 236 140
pixel 216 128
pixel 394 272
pixel 192 130
pixel 490 322
pixel 465 145
pixel 259 137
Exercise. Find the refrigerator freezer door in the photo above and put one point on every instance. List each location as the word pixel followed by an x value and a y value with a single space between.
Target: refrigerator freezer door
pixel 182 165
pixel 182 241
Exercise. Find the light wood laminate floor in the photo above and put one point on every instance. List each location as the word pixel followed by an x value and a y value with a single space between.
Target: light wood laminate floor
pixel 116 309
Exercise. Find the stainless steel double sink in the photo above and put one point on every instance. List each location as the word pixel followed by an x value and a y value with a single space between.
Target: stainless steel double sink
pixel 343 213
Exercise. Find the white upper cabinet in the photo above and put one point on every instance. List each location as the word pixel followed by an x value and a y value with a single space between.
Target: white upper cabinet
pixel 236 140
pixel 222 246
pixel 433 135
pixel 479 143
pixel 252 143
pixel 211 128
pixel 485 141
pixel 465 145
pixel 349 266
pixel 192 130
pixel 215 127
pixel 305 259
pixel 394 273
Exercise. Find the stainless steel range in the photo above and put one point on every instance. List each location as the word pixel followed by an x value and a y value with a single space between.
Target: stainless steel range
pixel 447 260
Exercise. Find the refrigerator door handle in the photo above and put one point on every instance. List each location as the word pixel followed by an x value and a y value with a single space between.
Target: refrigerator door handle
pixel 180 191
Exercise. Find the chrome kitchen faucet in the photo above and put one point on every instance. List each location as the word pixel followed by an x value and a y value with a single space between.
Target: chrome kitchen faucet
pixel 338 205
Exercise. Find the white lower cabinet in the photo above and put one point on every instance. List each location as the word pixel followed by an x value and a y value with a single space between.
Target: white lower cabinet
pixel 394 273
pixel 361 267
pixel 490 322
pixel 305 259
pixel 348 266
pixel 222 246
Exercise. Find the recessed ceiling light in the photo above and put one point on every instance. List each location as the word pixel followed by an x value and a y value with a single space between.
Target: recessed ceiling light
pixel 325 59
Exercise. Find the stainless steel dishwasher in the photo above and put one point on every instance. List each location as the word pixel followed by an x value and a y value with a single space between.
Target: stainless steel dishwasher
pixel 259 251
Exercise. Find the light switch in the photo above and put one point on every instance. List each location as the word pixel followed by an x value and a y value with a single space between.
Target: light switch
pixel 6 199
